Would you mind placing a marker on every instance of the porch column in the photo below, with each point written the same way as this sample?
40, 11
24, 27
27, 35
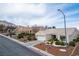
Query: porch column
58, 37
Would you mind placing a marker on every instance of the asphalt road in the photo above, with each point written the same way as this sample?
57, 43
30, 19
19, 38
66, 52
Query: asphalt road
11, 48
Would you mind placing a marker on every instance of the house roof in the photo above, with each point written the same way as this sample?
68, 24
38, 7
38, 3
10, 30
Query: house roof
57, 31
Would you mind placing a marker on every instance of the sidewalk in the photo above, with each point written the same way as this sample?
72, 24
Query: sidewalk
43, 53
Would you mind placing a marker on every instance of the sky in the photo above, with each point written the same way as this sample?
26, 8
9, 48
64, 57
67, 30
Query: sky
40, 14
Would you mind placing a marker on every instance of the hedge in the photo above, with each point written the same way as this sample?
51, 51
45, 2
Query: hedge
60, 43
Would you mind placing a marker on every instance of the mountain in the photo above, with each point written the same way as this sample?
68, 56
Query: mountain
6, 23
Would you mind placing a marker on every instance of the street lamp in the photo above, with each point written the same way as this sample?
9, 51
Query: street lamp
64, 25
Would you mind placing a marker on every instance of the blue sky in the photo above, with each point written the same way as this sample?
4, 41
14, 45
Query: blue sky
40, 14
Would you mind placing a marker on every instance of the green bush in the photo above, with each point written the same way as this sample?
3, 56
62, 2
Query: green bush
76, 40
47, 42
51, 41
72, 43
57, 42
19, 36
60, 43
29, 38
77, 37
55, 39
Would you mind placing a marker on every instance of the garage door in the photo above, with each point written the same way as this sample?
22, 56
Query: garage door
41, 38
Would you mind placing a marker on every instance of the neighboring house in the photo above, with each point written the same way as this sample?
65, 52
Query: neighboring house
23, 29
28, 29
58, 33
36, 28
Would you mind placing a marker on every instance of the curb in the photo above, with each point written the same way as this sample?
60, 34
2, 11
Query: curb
40, 51
43, 53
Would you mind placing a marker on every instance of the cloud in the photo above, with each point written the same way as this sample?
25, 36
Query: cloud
40, 14
21, 13
14, 8
46, 20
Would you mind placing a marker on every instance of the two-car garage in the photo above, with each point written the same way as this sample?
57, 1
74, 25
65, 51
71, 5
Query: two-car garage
41, 38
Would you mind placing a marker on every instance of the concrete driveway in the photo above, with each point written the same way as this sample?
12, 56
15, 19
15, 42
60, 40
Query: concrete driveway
33, 43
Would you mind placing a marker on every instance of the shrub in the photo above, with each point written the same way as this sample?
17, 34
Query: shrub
19, 36
77, 37
60, 43
29, 38
72, 43
55, 39
76, 40
48, 43
57, 42
51, 41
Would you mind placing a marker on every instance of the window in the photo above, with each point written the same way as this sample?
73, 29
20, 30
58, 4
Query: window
62, 38
53, 36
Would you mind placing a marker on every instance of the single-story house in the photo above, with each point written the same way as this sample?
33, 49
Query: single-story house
58, 33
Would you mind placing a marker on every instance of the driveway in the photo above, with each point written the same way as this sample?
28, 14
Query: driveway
33, 43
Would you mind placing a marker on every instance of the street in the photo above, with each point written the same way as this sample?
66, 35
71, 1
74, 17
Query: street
11, 48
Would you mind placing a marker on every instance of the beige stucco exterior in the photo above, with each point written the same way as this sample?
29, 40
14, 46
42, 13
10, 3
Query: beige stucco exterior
46, 34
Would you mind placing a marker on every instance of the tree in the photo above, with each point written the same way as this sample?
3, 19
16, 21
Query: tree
53, 27
10, 30
2, 28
